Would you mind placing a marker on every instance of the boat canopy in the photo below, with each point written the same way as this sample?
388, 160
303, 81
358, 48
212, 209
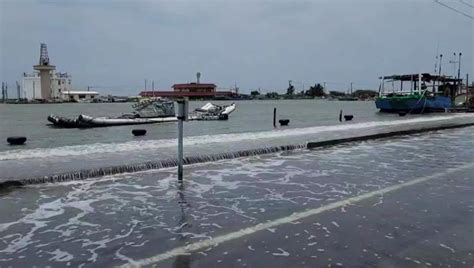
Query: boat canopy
425, 77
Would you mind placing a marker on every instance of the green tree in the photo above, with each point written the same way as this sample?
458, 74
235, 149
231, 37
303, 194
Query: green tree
316, 91
271, 95
254, 93
290, 90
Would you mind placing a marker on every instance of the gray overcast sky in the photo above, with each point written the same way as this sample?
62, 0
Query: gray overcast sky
117, 44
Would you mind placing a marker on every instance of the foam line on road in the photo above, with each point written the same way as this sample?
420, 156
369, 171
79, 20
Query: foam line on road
173, 162
312, 145
201, 245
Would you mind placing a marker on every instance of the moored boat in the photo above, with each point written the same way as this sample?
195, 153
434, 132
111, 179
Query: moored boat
427, 93
147, 111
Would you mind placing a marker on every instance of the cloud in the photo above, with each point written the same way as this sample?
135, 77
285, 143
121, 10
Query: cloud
117, 44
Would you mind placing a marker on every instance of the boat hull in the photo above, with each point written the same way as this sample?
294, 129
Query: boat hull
413, 105
85, 121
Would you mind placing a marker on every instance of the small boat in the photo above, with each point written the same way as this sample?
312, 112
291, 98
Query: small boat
147, 111
347, 98
428, 93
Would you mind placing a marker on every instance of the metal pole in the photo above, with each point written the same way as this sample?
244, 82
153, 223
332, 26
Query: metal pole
454, 65
180, 150
467, 90
18, 91
419, 83
182, 116
3, 92
439, 73
459, 73
274, 116
383, 84
440, 61
153, 88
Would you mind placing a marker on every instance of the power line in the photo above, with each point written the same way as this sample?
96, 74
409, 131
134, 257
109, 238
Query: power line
453, 9
467, 4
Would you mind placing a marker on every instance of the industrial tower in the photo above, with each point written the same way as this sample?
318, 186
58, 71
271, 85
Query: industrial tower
44, 72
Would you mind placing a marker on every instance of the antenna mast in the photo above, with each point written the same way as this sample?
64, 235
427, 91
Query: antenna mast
44, 58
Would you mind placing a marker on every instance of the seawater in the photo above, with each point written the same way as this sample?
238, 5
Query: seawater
250, 116
95, 149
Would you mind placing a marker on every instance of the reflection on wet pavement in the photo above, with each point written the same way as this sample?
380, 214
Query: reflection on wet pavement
121, 219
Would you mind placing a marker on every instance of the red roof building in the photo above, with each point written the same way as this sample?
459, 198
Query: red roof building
191, 90
194, 87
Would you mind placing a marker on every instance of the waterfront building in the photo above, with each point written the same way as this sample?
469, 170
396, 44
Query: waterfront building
193, 90
33, 88
47, 85
79, 96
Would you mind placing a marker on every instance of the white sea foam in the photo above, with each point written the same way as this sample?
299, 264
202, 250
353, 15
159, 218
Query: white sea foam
133, 146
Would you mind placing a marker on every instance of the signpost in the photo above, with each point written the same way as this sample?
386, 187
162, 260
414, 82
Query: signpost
182, 116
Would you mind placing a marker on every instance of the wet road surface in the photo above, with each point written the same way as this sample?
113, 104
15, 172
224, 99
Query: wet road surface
425, 217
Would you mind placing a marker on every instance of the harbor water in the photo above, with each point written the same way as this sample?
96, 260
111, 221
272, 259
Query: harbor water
250, 116
398, 202
52, 151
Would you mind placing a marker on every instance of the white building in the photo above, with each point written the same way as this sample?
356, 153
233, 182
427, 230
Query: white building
45, 84
60, 82
80, 96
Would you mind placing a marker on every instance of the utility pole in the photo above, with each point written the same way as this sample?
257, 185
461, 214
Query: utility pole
456, 81
145, 84
467, 90
153, 88
18, 91
6, 91
453, 62
459, 73
3, 92
439, 74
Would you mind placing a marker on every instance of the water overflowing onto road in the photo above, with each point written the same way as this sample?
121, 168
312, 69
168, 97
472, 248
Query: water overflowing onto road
127, 218
132, 155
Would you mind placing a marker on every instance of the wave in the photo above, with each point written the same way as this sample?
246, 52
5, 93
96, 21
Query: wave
134, 146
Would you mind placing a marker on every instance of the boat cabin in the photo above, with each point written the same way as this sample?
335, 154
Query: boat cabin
416, 84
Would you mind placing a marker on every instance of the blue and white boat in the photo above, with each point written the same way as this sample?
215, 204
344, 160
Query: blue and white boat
427, 93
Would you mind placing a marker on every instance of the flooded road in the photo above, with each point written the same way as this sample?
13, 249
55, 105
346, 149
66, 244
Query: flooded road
401, 202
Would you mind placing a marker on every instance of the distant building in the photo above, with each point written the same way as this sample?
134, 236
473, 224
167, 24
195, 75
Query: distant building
79, 96
47, 85
191, 90
33, 90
